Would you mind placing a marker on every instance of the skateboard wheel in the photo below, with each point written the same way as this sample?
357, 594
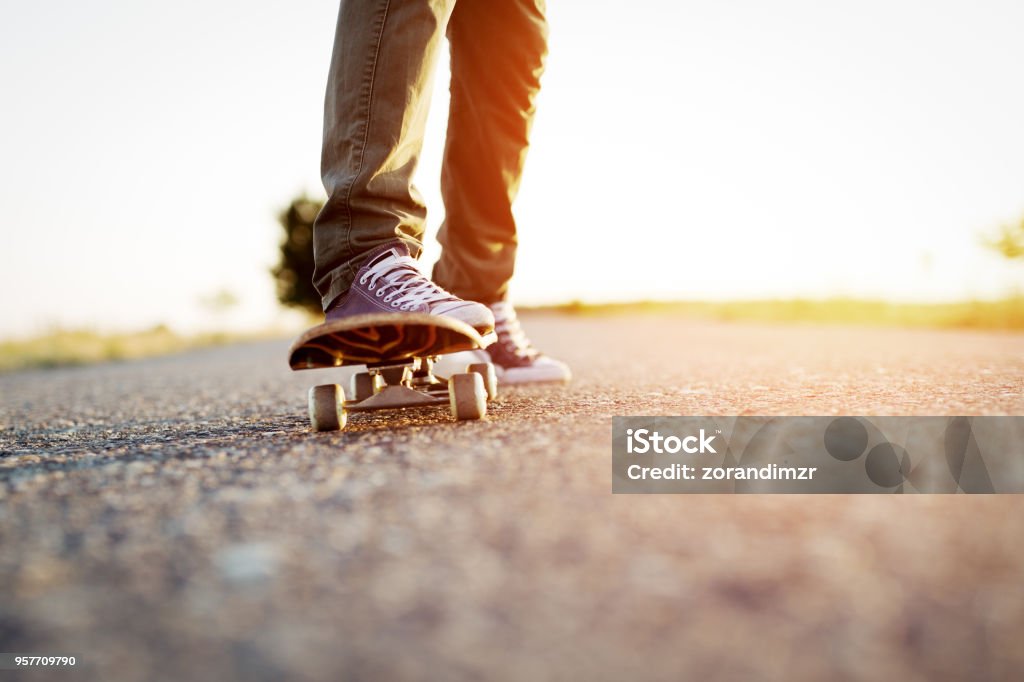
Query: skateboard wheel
467, 395
490, 377
327, 408
363, 386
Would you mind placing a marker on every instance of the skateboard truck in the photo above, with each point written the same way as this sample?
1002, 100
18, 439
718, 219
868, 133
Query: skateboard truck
410, 383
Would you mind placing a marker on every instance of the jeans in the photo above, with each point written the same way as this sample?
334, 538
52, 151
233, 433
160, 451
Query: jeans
378, 95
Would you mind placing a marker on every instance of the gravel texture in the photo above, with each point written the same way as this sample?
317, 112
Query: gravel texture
175, 519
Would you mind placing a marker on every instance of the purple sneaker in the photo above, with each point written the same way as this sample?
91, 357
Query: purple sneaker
390, 282
515, 359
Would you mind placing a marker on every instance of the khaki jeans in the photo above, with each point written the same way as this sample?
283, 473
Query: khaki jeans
378, 94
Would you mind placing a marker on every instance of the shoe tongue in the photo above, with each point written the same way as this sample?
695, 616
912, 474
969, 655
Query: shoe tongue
503, 311
388, 252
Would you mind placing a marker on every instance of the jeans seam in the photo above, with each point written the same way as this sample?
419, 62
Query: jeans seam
367, 107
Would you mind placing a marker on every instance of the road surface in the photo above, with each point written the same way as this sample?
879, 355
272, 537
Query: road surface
174, 518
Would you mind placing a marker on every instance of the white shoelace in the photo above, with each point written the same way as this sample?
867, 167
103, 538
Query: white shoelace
401, 284
506, 324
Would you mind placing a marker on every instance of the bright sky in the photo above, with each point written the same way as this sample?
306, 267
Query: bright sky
697, 150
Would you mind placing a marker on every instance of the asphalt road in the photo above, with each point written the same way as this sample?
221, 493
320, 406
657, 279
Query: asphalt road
174, 519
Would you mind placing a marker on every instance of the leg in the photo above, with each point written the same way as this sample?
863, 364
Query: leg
498, 50
497, 56
378, 94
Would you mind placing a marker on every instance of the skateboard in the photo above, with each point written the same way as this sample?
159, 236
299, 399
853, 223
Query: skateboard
398, 350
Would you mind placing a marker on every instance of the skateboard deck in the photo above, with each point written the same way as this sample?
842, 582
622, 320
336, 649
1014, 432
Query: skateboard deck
381, 338
398, 350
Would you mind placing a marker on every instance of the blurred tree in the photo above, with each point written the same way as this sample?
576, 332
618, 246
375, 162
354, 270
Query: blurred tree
1009, 240
294, 271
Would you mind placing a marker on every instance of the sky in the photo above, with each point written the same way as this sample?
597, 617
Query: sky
682, 150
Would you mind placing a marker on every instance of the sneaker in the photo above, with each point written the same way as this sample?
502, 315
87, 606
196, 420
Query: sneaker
390, 282
515, 359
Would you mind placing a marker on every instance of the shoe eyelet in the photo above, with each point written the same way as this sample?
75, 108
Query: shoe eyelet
362, 280
394, 304
380, 292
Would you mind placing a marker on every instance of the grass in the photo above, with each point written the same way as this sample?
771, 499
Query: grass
1003, 314
75, 347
